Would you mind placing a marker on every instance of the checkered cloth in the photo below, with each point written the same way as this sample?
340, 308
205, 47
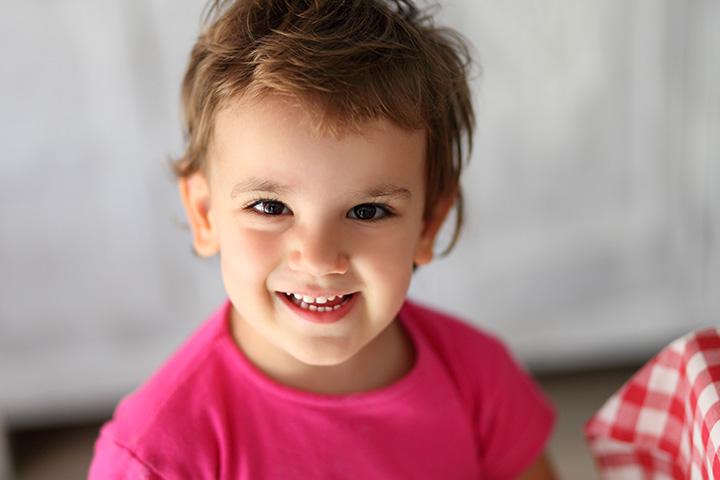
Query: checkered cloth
664, 423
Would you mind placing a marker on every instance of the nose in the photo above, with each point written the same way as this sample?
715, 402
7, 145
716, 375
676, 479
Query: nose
317, 251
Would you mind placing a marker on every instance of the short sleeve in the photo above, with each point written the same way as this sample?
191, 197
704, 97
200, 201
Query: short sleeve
112, 461
514, 418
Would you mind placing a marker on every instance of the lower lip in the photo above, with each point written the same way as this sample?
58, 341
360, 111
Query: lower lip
320, 317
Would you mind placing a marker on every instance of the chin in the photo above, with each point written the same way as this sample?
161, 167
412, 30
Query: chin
323, 357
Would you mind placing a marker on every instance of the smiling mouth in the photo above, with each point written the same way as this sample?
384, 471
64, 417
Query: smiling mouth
319, 304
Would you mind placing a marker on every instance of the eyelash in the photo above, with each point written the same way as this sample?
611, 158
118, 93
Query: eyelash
386, 209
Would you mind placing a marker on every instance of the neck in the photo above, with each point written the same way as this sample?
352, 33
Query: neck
383, 361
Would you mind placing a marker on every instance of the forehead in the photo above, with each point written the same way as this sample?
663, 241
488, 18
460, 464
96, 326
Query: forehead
273, 136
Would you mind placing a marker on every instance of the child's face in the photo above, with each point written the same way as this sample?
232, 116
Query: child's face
284, 207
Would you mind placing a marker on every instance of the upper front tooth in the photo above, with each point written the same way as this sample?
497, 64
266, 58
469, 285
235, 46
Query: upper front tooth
308, 299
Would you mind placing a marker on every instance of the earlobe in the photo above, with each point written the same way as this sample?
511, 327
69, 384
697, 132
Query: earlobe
195, 195
424, 253
424, 250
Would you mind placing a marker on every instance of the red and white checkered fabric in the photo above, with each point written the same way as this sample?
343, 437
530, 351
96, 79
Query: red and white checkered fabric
664, 423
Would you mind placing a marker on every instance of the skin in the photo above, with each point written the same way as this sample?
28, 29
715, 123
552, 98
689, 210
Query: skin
310, 239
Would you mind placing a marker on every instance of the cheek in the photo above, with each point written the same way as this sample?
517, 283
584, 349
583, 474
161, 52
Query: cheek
395, 248
394, 243
388, 257
248, 256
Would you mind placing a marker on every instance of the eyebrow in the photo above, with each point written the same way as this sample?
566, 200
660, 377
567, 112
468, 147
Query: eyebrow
386, 190
255, 184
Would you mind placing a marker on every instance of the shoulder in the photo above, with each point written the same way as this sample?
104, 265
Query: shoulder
511, 416
172, 413
452, 336
479, 359
476, 361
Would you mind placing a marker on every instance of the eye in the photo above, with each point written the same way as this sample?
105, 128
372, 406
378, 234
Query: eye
370, 212
268, 207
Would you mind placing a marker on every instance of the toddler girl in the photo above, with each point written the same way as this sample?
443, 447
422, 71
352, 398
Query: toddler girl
325, 144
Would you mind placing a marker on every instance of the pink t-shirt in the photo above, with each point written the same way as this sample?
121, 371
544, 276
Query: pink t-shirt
466, 410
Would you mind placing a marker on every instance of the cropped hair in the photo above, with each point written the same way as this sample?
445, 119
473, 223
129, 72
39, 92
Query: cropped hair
348, 62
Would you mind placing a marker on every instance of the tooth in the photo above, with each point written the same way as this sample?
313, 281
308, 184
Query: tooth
321, 300
307, 299
298, 297
313, 308
336, 307
303, 305
330, 299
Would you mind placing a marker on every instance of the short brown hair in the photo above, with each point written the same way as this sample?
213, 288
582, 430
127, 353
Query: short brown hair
349, 61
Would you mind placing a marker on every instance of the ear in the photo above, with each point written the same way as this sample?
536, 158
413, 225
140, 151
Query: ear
424, 250
195, 195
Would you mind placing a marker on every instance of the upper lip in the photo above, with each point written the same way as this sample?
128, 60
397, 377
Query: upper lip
317, 294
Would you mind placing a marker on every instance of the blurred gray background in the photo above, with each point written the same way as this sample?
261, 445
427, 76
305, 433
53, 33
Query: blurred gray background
593, 194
